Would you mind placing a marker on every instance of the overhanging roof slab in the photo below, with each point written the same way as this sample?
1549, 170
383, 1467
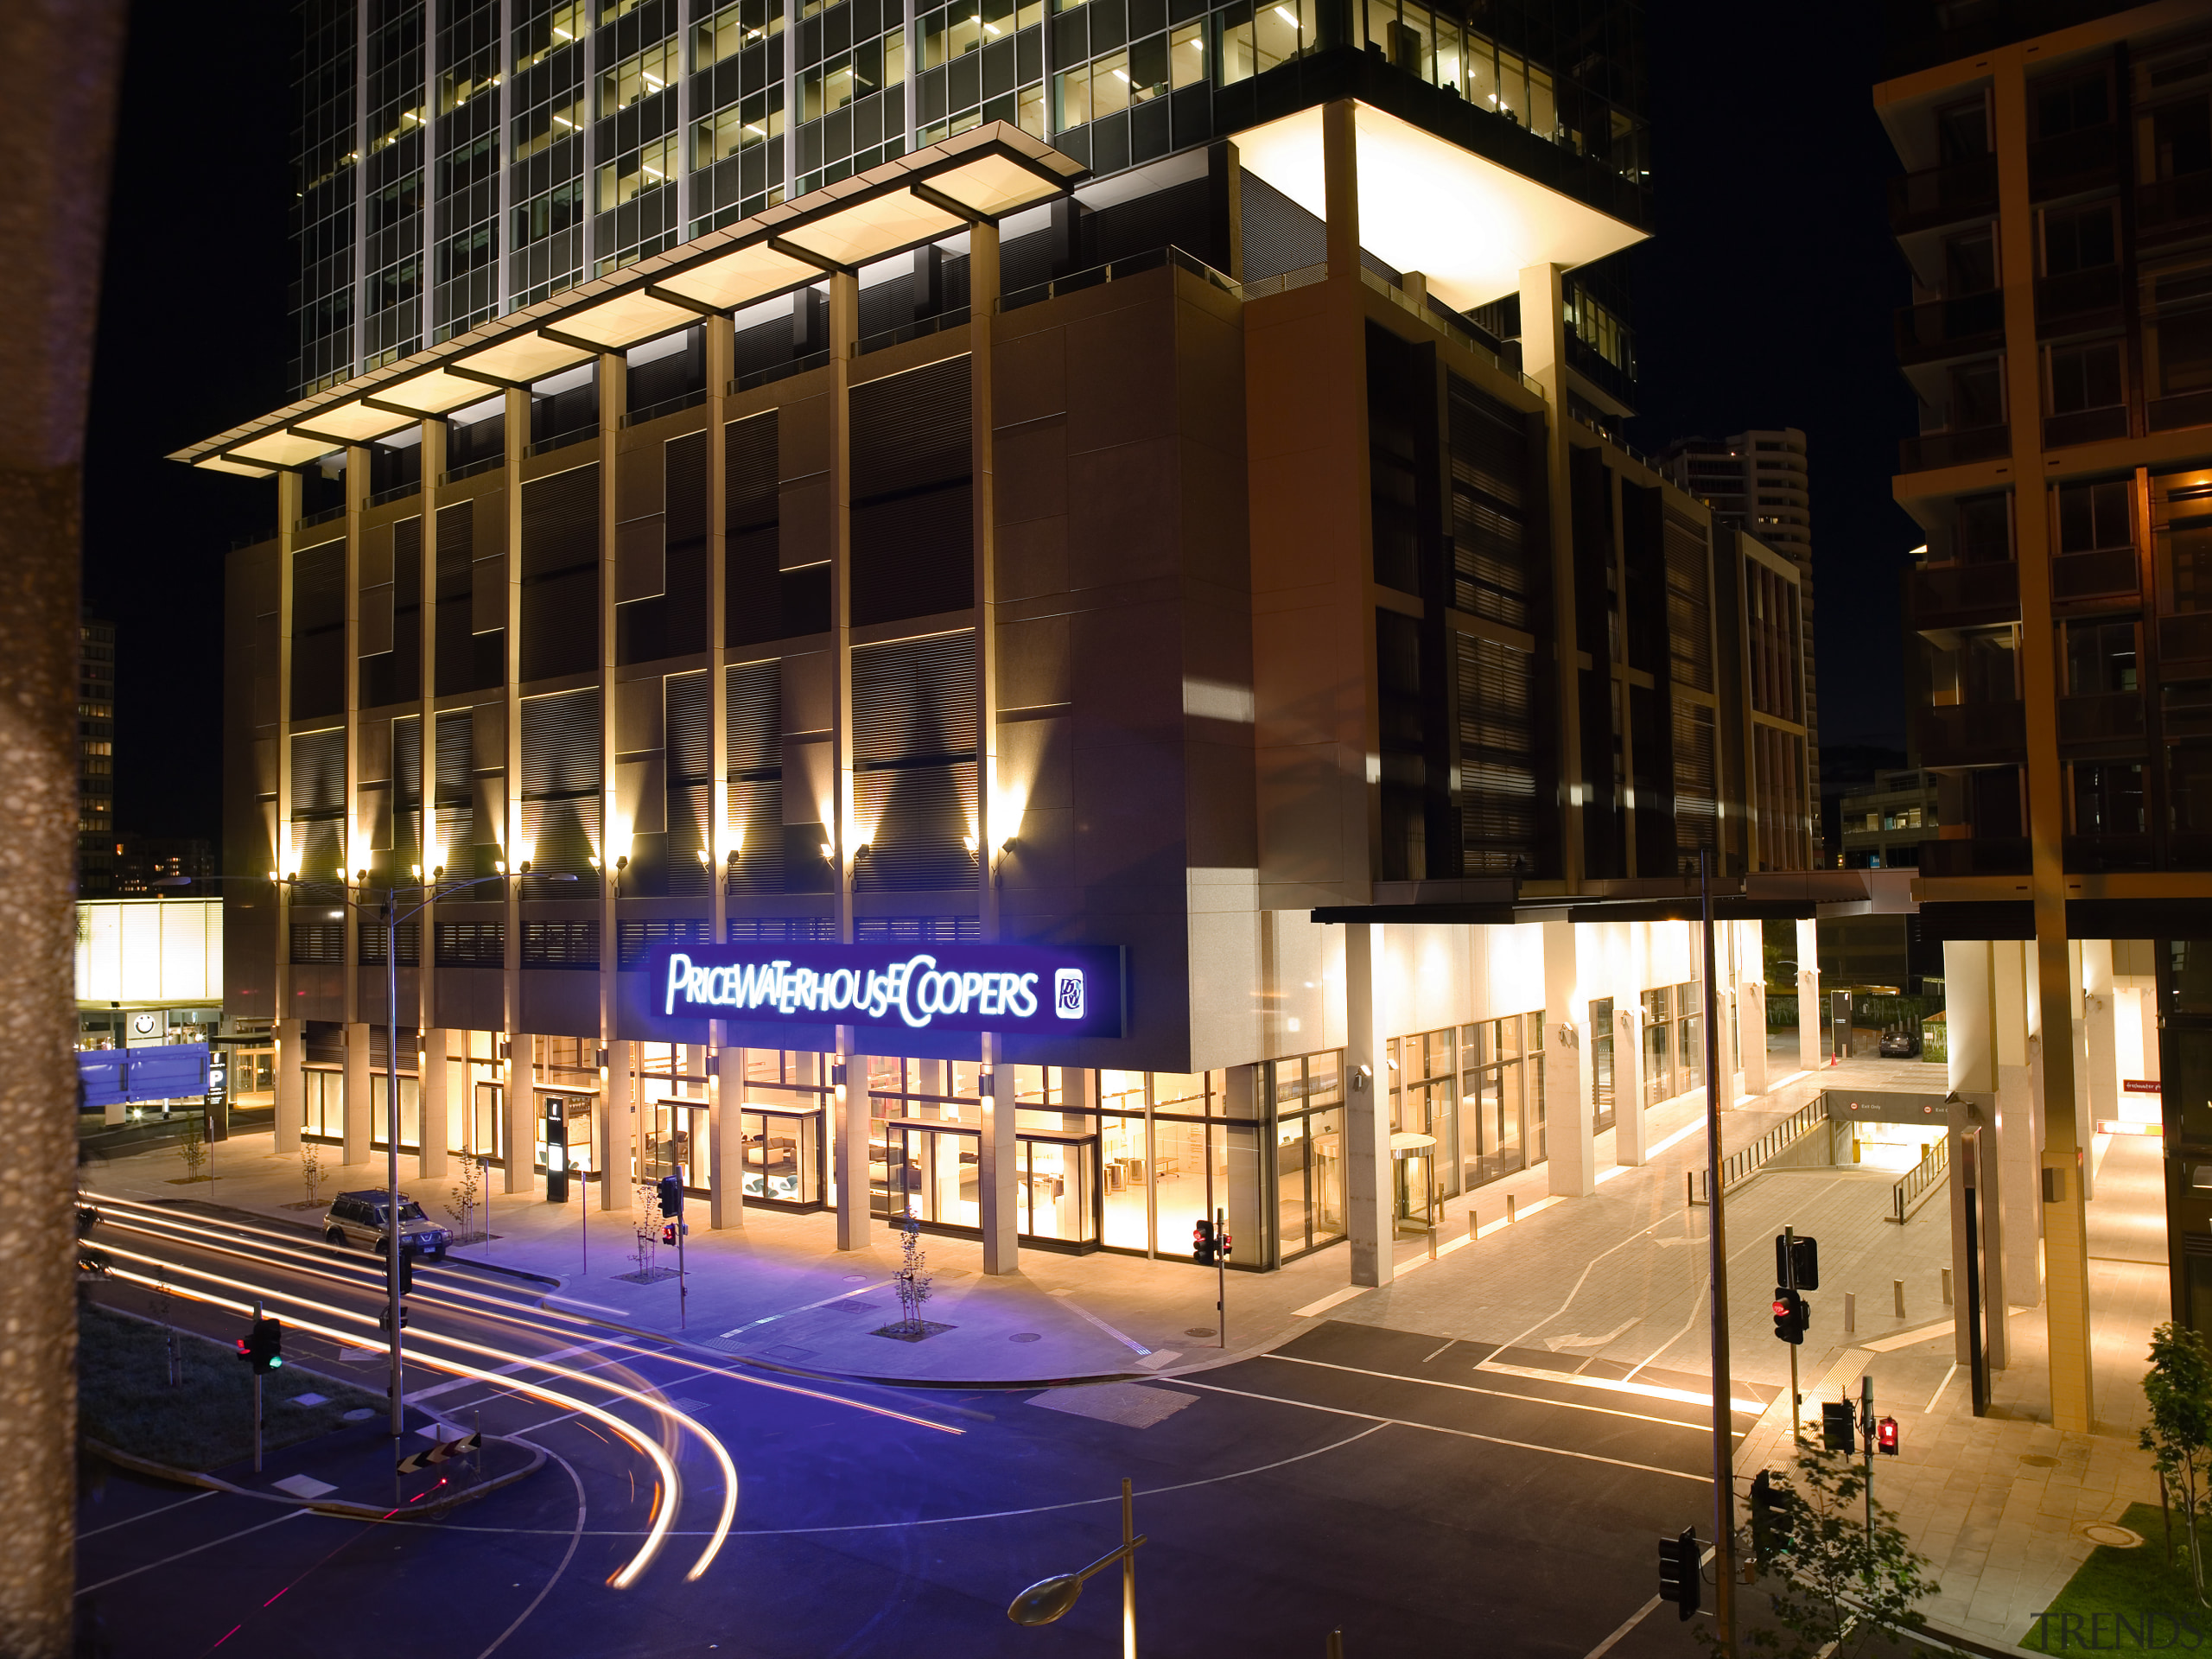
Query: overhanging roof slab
740, 277
873, 229
433, 392
282, 448
523, 358
623, 321
352, 423
1467, 223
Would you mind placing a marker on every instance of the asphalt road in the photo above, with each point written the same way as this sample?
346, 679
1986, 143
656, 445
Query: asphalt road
1360, 1478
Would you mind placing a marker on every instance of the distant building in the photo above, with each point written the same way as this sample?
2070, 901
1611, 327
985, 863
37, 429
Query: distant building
1882, 827
1758, 482
96, 848
141, 861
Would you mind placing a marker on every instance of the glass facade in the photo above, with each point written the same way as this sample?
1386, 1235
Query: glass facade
1478, 1091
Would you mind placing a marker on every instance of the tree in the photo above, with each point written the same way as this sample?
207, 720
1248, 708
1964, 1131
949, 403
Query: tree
2179, 1389
461, 1202
645, 1217
914, 1274
192, 1146
311, 1169
1845, 1573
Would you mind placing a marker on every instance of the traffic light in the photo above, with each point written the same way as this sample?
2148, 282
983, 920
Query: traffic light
406, 1270
263, 1346
1797, 1260
1886, 1437
1221, 1237
1771, 1518
1679, 1579
1203, 1242
1836, 1429
87, 1218
1791, 1315
672, 1195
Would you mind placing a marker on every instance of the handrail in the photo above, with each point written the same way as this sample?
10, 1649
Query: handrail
1935, 1163
1739, 1167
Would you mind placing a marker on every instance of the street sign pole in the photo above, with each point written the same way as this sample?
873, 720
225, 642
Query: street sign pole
1221, 1287
1724, 1439
256, 1395
1789, 1282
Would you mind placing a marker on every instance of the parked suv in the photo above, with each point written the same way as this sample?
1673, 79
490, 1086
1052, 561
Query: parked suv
357, 1218
1900, 1043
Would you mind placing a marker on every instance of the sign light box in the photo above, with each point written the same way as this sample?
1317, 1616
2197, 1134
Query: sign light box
1032, 990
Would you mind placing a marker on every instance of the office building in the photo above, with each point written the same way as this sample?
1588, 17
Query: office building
2057, 213
96, 848
1883, 826
1127, 546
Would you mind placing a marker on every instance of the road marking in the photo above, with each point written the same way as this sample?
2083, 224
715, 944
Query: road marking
1331, 1300
1501, 1394
1381, 1422
1127, 1342
1898, 1339
1649, 1390
150, 1513
1634, 1619
787, 1313
1439, 1351
1940, 1386
290, 1515
575, 1537
449, 1386
596, 1307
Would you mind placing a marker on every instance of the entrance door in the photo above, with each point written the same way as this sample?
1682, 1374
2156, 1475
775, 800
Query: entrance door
1601, 1064
932, 1172
1415, 1167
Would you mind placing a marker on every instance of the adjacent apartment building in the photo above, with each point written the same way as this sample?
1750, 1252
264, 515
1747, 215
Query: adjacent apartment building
1035, 492
2057, 213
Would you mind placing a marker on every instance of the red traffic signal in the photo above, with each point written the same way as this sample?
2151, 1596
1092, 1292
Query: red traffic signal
1886, 1437
1791, 1315
1221, 1236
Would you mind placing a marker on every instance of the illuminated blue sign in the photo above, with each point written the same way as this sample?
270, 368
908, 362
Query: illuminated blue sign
1036, 990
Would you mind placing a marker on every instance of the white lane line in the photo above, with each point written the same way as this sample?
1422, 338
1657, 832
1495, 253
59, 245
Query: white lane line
1501, 1394
1380, 1420
1940, 1386
148, 1514
449, 1386
771, 1319
1331, 1300
1439, 1351
290, 1515
1634, 1619
575, 1538
1649, 1390
1129, 1342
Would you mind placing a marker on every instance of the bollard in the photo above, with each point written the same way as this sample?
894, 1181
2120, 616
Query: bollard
1898, 1285
1509, 1209
1947, 1288
1849, 1311
1474, 1222
1336, 1644
1689, 1188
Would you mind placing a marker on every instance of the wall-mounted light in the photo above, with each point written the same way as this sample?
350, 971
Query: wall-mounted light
829, 854
1362, 1076
592, 859
971, 843
417, 871
438, 872
621, 862
501, 865
705, 864
525, 866
860, 851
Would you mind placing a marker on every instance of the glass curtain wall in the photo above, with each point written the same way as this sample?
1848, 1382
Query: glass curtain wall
1673, 1041
786, 1101
1601, 1064
1309, 1142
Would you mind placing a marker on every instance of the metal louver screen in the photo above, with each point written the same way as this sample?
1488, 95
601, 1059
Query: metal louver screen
686, 529
1497, 756
690, 751
1696, 781
560, 945
635, 941
455, 622
914, 711
755, 589
319, 944
913, 534
407, 782
452, 797
1689, 603
318, 772
1490, 460
560, 784
755, 711
318, 631
560, 573
472, 944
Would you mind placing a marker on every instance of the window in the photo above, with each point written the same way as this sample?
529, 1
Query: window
1962, 130
2177, 343
548, 123
2100, 658
2086, 377
634, 79
2094, 517
2106, 798
1970, 263
2080, 239
639, 171
1977, 396
734, 27
742, 126
540, 38
2070, 107
1984, 534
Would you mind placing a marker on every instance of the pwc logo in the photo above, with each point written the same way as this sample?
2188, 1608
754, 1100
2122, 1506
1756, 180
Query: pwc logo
1067, 993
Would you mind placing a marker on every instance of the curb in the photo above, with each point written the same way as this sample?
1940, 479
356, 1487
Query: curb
320, 1505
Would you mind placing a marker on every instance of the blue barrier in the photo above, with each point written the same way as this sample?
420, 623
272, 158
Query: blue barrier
119, 1077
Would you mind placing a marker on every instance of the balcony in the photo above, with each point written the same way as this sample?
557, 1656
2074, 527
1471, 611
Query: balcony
2093, 854
1984, 855
2185, 646
2114, 716
2171, 414
2108, 573
1964, 595
1933, 450
2073, 162
2173, 210
2078, 302
1954, 328
1943, 195
1972, 734
2084, 426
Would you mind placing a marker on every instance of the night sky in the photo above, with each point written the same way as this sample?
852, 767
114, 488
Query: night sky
1764, 300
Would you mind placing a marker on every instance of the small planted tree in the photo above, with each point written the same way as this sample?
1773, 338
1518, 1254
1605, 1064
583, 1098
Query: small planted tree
645, 1218
912, 1277
192, 1147
464, 1196
2179, 1389
311, 1170
1842, 1577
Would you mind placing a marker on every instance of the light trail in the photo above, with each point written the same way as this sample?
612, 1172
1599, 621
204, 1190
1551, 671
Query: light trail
662, 1515
284, 1244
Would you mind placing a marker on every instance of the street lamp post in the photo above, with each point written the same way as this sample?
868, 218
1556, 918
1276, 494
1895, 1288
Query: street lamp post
436, 889
1045, 1600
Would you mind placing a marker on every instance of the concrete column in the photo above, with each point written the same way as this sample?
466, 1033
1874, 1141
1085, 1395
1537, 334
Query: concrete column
1751, 1034
616, 1155
353, 1140
518, 1105
1810, 1025
1570, 1150
849, 1099
2100, 1035
1368, 1213
1629, 1137
291, 1082
1970, 1009
1340, 187
2015, 1172
433, 1090
999, 1163
725, 1142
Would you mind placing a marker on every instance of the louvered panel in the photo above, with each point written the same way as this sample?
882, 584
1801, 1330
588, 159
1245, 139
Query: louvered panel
318, 631
756, 821
685, 459
914, 700
455, 550
914, 554
453, 797
689, 736
911, 430
1490, 445
1689, 602
688, 806
318, 771
1496, 570
560, 573
749, 483
561, 836
407, 759
1497, 755
754, 709
560, 745
407, 564
407, 841
455, 621
1696, 780
916, 818
316, 846
685, 584
559, 522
